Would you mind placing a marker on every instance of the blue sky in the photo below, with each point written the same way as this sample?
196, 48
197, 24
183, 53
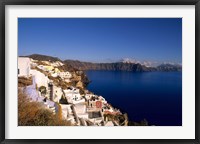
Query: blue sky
102, 39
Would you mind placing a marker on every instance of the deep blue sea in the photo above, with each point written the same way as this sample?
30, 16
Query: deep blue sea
155, 96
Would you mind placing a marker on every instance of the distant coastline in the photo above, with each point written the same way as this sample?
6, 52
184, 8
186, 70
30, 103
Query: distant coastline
122, 66
116, 66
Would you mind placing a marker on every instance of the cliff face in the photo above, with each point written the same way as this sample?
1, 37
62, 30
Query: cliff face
119, 66
169, 67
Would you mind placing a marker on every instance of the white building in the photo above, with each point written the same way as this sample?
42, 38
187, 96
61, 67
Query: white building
102, 99
109, 123
67, 113
64, 109
73, 96
65, 75
67, 80
81, 110
57, 64
57, 93
72, 89
40, 78
54, 75
89, 96
41, 67
24, 66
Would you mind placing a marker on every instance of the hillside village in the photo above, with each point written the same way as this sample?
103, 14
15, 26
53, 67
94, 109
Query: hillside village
47, 82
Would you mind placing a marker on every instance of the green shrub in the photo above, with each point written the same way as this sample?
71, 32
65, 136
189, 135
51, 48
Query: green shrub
43, 90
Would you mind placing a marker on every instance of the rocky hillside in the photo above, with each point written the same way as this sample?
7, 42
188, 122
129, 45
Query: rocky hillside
40, 57
121, 66
44, 58
118, 66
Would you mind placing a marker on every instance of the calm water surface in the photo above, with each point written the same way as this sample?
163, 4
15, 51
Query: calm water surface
155, 96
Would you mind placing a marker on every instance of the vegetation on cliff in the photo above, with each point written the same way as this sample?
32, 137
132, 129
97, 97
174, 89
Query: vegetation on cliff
35, 114
24, 81
143, 122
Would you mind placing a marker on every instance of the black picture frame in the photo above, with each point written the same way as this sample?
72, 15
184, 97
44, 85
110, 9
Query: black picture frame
3, 3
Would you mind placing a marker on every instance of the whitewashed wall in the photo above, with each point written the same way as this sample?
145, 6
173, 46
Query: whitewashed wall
24, 66
57, 93
40, 78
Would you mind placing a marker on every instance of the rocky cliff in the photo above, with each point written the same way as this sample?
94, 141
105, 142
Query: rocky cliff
120, 66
